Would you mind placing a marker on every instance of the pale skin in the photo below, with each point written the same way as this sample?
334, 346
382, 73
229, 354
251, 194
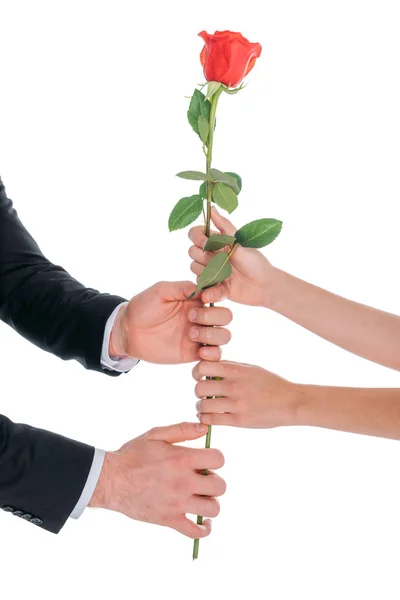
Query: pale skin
155, 327
253, 397
150, 478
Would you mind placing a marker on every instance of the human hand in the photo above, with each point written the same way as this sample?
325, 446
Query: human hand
160, 326
252, 273
245, 396
151, 480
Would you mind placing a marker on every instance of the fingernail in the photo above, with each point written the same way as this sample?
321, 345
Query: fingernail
201, 427
192, 315
198, 406
206, 352
194, 333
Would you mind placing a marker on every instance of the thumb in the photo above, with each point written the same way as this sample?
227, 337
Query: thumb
223, 224
168, 291
181, 432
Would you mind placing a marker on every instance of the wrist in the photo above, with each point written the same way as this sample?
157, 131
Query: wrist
275, 290
118, 344
304, 405
102, 494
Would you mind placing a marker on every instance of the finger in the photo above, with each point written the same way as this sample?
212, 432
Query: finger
218, 293
198, 237
180, 432
223, 224
215, 406
210, 353
196, 268
211, 315
210, 387
198, 505
214, 336
198, 255
206, 458
206, 369
220, 419
167, 291
209, 485
192, 530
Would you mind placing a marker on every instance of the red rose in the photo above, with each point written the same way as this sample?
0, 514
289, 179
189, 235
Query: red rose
227, 57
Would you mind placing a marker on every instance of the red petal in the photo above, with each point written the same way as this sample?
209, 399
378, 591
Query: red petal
251, 65
203, 56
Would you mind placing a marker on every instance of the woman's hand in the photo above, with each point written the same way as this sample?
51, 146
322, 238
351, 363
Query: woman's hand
252, 273
244, 396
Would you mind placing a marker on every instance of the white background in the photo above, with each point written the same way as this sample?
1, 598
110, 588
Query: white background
92, 130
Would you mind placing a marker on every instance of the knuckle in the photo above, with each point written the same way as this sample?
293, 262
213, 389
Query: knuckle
178, 461
152, 433
205, 316
218, 458
222, 487
229, 315
174, 504
198, 389
233, 368
185, 428
191, 534
179, 487
202, 367
216, 508
217, 354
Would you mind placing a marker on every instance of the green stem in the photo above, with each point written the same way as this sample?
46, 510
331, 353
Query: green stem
214, 101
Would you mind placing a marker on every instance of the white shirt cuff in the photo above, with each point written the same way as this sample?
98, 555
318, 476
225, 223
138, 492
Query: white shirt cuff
122, 365
87, 493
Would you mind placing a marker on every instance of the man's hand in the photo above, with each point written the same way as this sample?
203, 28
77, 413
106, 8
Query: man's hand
161, 326
252, 273
151, 480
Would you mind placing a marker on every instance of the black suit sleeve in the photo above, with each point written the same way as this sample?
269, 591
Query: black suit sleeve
43, 302
42, 474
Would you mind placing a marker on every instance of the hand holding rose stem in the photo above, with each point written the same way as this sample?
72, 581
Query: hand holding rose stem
227, 57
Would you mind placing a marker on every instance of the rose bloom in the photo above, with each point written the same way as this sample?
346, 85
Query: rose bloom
227, 57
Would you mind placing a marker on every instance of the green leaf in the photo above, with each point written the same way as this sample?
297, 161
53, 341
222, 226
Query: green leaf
225, 197
198, 106
218, 269
194, 175
185, 212
258, 233
218, 241
204, 129
238, 180
213, 86
221, 177
203, 190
